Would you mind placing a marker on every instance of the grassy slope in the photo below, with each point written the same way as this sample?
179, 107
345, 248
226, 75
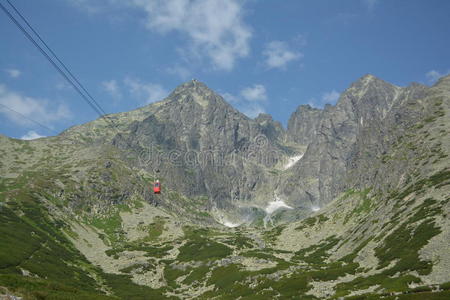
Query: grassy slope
42, 196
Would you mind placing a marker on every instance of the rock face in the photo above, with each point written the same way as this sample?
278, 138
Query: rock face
303, 123
273, 130
336, 136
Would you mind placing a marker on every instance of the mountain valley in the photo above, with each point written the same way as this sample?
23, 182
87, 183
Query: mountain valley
351, 201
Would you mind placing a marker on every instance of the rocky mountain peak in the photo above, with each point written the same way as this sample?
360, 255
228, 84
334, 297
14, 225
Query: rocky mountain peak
269, 127
369, 82
369, 98
370, 79
195, 92
307, 107
193, 84
303, 123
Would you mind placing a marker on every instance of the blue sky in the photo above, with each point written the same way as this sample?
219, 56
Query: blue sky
262, 56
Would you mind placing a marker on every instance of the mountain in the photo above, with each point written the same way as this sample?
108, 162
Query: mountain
350, 201
363, 112
204, 145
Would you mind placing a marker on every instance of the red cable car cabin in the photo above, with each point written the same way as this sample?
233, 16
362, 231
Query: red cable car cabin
157, 187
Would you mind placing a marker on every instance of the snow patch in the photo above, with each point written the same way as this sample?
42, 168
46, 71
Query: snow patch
292, 161
220, 218
315, 208
273, 206
230, 224
31, 135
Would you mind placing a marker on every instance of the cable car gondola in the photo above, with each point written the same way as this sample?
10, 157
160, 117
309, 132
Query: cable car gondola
157, 187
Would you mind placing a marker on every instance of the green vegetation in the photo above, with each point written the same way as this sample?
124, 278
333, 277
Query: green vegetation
350, 257
445, 286
317, 254
437, 180
405, 242
443, 295
266, 254
239, 241
322, 218
111, 225
312, 221
154, 229
263, 254
270, 236
224, 277
364, 206
202, 249
198, 274
151, 251
139, 267
31, 241
308, 222
294, 286
41, 289
232, 282
124, 288
401, 247
172, 273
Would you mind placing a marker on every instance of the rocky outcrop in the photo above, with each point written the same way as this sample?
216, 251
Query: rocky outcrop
303, 124
270, 128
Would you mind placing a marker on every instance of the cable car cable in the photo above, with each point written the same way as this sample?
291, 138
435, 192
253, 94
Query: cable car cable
38, 123
29, 119
57, 58
25, 32
88, 99
94, 104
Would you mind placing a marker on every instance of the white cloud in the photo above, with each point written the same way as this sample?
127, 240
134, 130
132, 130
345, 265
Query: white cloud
255, 93
434, 75
214, 28
149, 92
314, 103
39, 110
278, 54
13, 73
330, 97
370, 4
96, 6
252, 110
112, 88
326, 98
250, 101
230, 98
31, 135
